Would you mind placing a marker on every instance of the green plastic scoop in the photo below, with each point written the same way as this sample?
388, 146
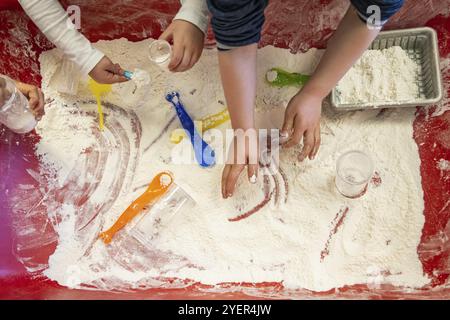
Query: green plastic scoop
281, 78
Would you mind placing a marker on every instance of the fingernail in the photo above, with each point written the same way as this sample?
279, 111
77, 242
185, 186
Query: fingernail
284, 134
253, 179
229, 195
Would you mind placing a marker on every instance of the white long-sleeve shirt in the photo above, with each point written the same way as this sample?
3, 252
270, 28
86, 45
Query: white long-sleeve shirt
195, 12
51, 18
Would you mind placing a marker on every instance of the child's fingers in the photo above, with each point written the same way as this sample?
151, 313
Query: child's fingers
2, 96
177, 56
116, 69
33, 98
225, 174
308, 145
195, 57
296, 137
288, 124
167, 34
107, 77
252, 173
37, 102
232, 178
116, 78
107, 72
317, 141
41, 104
184, 65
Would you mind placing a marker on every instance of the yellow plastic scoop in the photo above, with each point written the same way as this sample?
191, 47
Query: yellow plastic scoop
207, 123
99, 90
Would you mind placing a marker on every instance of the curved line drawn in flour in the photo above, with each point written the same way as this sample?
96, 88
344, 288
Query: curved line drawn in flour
161, 134
267, 197
45, 213
272, 186
124, 164
336, 224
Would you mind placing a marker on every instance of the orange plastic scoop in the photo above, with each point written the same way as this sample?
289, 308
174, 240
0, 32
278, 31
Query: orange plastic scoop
159, 185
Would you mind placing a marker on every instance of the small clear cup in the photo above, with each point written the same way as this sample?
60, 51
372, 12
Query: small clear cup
160, 52
354, 169
15, 112
162, 214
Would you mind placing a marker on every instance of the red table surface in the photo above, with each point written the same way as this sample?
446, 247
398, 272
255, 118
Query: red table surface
294, 24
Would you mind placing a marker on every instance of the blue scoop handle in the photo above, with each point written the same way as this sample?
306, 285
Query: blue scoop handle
204, 154
128, 74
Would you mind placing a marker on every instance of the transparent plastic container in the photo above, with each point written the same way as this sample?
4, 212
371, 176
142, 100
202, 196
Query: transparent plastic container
160, 52
354, 169
176, 201
15, 112
140, 248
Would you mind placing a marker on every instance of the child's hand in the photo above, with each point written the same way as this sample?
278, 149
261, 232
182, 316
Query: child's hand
242, 155
188, 42
107, 72
35, 98
4, 94
302, 120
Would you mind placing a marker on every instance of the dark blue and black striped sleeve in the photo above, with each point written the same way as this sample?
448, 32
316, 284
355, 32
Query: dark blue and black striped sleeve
237, 22
369, 9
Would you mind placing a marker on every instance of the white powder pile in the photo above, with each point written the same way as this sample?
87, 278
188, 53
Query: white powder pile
316, 240
64, 124
135, 92
379, 77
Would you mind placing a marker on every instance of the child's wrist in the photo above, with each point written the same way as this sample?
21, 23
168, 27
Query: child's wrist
317, 91
243, 125
243, 128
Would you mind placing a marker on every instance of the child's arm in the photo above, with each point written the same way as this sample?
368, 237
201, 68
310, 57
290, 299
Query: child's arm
351, 39
237, 27
187, 31
53, 21
238, 71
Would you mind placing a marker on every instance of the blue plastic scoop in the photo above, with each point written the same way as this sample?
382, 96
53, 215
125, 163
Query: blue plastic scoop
204, 154
128, 74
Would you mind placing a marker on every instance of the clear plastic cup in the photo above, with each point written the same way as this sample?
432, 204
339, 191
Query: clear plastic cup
354, 169
160, 52
15, 112
161, 215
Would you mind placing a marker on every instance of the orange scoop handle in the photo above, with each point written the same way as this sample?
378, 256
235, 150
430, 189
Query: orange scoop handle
154, 191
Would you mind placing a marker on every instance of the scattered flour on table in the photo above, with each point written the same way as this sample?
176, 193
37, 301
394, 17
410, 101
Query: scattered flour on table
380, 76
57, 155
443, 165
380, 231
